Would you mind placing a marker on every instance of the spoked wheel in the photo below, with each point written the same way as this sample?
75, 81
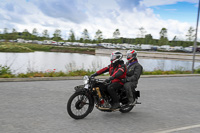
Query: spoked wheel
79, 105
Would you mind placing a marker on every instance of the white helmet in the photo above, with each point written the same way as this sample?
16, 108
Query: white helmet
116, 56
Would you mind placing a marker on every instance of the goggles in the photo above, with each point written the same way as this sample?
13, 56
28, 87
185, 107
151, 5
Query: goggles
129, 55
113, 57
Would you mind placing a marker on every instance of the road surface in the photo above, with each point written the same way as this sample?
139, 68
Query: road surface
169, 105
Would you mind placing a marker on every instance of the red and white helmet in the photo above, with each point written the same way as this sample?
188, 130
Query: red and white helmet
131, 55
116, 56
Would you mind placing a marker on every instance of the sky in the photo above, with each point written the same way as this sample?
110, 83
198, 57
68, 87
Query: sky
106, 15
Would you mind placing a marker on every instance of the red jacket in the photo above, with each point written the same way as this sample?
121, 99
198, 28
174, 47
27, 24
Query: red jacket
118, 72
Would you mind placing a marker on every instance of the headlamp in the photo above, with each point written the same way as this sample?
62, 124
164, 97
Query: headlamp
85, 79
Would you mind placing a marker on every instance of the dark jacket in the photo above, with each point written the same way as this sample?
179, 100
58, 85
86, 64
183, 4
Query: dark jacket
117, 72
134, 70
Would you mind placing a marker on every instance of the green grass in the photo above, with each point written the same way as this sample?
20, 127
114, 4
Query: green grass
27, 47
7, 73
36, 47
160, 72
54, 74
14, 48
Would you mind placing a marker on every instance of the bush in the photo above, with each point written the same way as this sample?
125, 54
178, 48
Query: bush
197, 71
22, 75
5, 72
80, 73
7, 76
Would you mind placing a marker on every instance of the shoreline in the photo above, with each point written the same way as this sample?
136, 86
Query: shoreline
152, 54
70, 51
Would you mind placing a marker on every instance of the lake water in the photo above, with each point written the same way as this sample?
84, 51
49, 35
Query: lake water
45, 61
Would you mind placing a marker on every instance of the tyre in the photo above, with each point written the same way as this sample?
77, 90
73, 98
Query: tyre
79, 105
126, 109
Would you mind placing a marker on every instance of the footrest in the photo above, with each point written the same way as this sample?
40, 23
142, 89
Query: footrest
138, 102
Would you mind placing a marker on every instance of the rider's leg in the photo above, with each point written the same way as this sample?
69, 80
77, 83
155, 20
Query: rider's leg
130, 88
112, 92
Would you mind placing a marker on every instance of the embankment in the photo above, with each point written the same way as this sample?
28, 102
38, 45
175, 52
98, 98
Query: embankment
153, 54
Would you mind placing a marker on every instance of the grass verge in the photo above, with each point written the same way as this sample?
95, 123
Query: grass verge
5, 72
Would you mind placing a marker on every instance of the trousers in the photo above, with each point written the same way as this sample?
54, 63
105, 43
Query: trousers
130, 89
112, 88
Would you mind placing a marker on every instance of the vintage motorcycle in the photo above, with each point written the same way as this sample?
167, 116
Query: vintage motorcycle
91, 94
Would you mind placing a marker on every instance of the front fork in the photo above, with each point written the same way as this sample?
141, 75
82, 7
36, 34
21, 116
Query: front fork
82, 88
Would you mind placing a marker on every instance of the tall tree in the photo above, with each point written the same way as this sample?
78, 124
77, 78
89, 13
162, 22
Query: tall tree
190, 34
142, 32
72, 36
34, 34
163, 33
116, 34
57, 35
163, 37
14, 34
85, 35
99, 36
14, 30
5, 31
148, 39
45, 34
25, 34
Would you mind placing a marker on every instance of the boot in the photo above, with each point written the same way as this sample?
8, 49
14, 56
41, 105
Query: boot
115, 102
115, 105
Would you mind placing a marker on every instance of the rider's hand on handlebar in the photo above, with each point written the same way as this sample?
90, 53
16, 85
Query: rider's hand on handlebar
109, 79
93, 75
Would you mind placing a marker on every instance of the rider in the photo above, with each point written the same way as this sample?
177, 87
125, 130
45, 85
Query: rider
134, 70
117, 71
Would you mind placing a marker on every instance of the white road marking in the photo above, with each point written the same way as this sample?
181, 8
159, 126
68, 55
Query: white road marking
179, 129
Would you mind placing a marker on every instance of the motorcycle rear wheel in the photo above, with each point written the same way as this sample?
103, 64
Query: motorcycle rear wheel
126, 109
79, 105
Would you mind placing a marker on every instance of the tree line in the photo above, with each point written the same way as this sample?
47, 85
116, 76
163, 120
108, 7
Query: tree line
142, 37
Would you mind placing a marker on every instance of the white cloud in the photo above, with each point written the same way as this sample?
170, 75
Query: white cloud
150, 3
91, 15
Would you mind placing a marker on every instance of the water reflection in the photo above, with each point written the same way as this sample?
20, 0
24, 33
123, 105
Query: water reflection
42, 61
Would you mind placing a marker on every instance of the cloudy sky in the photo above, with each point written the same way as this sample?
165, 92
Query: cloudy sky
107, 15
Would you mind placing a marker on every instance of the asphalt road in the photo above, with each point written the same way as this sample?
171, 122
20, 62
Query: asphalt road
169, 104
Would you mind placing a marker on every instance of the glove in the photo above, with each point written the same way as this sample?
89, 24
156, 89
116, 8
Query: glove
109, 79
123, 80
93, 75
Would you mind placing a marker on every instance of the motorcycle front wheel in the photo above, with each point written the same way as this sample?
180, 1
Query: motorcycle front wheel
79, 105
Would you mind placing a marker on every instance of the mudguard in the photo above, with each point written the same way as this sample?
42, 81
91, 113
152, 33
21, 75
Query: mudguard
79, 88
137, 93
